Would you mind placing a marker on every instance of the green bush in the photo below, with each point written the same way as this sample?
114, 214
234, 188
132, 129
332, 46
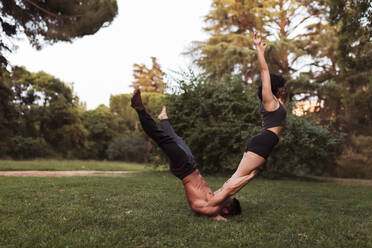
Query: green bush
305, 148
29, 147
130, 149
217, 118
102, 127
356, 159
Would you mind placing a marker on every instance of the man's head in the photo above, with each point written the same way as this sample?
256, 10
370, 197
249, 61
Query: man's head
231, 208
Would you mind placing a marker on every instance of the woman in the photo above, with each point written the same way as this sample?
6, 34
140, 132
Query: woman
273, 120
273, 115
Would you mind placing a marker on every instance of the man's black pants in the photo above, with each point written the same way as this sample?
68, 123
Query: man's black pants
182, 162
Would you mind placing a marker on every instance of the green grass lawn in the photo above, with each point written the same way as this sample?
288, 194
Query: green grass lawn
66, 165
149, 209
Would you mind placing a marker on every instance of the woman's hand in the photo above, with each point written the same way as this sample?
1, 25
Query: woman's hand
257, 40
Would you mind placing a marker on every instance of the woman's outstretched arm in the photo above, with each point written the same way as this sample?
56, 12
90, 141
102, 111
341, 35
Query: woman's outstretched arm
230, 188
268, 99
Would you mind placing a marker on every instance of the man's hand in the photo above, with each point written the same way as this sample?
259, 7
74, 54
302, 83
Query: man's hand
219, 217
257, 40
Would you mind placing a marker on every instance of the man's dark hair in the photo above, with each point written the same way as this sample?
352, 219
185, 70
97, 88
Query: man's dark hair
277, 81
234, 208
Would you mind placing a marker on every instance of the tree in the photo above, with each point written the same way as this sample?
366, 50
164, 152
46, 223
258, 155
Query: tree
355, 35
149, 80
103, 127
47, 22
231, 24
225, 52
354, 80
7, 112
129, 148
354, 75
45, 110
120, 107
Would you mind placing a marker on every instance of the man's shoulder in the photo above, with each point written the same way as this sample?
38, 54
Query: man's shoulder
201, 207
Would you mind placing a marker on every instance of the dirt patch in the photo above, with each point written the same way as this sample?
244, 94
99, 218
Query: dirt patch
348, 181
61, 173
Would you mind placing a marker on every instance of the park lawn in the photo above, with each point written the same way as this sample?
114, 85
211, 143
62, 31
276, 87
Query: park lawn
149, 209
67, 165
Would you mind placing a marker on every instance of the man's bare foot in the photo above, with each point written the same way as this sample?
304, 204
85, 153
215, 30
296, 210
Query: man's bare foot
136, 100
163, 115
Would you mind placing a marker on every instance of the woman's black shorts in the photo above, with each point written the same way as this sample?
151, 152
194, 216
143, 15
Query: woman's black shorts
262, 143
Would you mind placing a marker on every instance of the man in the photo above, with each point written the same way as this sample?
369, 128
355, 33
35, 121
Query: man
182, 164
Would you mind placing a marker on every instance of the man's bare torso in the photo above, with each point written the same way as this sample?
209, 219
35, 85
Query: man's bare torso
197, 191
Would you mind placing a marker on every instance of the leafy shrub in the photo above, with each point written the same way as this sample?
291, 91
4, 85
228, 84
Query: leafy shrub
305, 148
217, 118
130, 149
29, 147
356, 159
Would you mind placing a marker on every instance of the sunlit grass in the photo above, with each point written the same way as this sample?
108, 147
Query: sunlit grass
149, 209
65, 165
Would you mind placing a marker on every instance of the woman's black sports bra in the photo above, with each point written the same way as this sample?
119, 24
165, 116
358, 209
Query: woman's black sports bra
274, 118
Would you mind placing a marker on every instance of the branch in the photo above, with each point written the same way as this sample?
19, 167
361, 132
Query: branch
49, 12
299, 23
307, 34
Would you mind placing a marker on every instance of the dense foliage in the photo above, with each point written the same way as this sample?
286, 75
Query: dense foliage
39, 107
286, 24
41, 117
217, 118
129, 148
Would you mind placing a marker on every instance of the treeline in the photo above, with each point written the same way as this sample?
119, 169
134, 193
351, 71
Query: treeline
323, 49
41, 117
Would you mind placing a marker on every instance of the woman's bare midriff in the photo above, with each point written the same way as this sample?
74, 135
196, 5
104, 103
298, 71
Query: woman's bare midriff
276, 130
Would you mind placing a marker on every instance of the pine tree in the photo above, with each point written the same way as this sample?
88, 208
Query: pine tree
354, 77
149, 80
231, 23
47, 22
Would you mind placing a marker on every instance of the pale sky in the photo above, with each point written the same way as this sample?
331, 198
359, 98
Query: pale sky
101, 65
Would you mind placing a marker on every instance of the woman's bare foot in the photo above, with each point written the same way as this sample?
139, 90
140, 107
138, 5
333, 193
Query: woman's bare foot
136, 100
163, 115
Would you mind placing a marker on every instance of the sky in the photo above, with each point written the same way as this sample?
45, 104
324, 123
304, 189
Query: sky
101, 65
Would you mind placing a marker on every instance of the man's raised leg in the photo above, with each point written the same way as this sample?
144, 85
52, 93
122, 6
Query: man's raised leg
147, 123
168, 129
179, 159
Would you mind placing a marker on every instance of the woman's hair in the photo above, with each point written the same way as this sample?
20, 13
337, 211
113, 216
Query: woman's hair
277, 81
